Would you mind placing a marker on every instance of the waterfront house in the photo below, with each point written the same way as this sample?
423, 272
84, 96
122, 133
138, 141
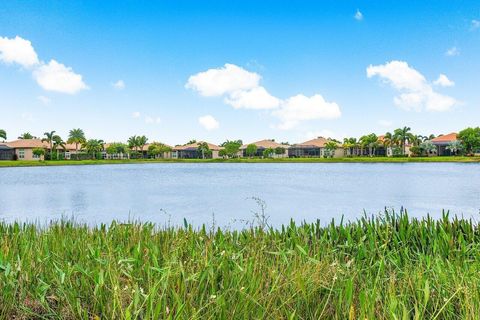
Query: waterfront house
24, 148
314, 148
442, 142
263, 145
190, 151
6, 152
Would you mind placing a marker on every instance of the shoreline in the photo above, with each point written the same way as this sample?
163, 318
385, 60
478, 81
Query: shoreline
20, 163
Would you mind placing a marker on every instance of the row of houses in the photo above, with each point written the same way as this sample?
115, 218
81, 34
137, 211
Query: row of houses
23, 149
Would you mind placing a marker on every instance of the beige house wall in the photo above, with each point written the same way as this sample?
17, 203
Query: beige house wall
26, 154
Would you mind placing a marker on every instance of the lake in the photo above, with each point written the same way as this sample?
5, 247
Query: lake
162, 192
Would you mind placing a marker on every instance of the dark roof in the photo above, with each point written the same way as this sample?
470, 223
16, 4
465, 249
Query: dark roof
5, 147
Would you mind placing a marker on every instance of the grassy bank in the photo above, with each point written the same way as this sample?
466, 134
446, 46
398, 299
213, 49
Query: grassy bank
383, 268
241, 160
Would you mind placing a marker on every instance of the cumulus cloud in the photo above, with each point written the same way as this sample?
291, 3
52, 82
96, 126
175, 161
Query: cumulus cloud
19, 51
208, 122
453, 51
136, 115
358, 15
55, 76
255, 98
119, 85
475, 24
44, 100
224, 80
415, 92
300, 108
52, 76
443, 81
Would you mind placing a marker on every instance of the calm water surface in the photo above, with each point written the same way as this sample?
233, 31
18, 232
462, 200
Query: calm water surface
153, 192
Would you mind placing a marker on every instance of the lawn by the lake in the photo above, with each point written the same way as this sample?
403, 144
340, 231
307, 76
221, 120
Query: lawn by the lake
383, 268
244, 160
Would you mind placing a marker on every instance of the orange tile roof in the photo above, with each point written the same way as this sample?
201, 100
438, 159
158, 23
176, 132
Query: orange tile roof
28, 144
446, 138
318, 142
265, 144
211, 146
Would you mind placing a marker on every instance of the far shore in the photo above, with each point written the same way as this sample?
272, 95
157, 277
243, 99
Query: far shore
20, 163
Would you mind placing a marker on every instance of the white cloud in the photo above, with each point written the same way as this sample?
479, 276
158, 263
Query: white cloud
224, 80
44, 100
385, 123
443, 81
150, 120
136, 115
18, 50
309, 135
358, 15
57, 77
208, 122
119, 85
27, 116
301, 108
453, 51
475, 24
255, 98
415, 92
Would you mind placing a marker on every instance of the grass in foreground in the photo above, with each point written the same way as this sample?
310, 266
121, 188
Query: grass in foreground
243, 160
389, 267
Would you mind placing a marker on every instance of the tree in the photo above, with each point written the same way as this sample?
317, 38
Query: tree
26, 136
117, 148
251, 150
137, 142
38, 152
403, 135
470, 138
428, 147
76, 136
351, 145
141, 142
191, 142
231, 148
58, 143
49, 139
93, 146
455, 147
279, 151
204, 149
3, 134
157, 148
268, 152
369, 141
330, 148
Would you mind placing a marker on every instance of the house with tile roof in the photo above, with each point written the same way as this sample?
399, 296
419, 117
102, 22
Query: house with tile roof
190, 151
442, 142
262, 145
314, 148
24, 148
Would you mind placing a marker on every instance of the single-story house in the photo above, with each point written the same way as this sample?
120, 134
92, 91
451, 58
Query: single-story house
265, 144
442, 142
314, 148
190, 151
381, 150
6, 152
24, 148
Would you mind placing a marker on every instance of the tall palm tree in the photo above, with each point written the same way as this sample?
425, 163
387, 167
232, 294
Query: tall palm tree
3, 134
93, 146
132, 143
25, 136
58, 143
403, 135
203, 149
49, 139
76, 136
141, 142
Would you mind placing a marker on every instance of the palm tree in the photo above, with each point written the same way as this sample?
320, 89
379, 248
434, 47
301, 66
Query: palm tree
3, 134
58, 143
403, 135
203, 149
132, 142
76, 136
49, 139
330, 147
370, 141
93, 146
141, 142
26, 135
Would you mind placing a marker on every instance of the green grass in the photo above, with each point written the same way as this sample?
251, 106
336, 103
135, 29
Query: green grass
241, 160
389, 267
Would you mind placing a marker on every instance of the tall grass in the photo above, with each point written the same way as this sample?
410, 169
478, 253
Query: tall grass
387, 267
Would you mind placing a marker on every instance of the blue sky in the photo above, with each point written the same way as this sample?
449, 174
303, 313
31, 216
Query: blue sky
216, 70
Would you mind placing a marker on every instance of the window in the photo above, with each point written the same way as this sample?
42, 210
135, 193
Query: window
21, 153
36, 156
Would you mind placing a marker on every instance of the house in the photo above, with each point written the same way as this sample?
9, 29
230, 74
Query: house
442, 142
262, 146
24, 148
314, 148
6, 152
190, 151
